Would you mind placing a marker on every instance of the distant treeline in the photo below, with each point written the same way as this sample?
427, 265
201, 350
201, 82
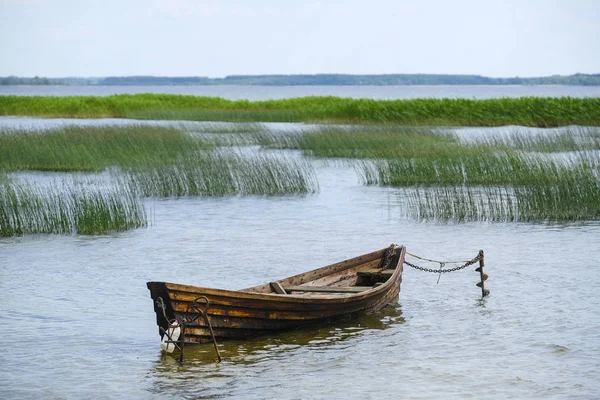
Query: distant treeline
318, 79
16, 80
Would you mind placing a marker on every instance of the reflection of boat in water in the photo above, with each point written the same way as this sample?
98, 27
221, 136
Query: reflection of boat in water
346, 289
284, 344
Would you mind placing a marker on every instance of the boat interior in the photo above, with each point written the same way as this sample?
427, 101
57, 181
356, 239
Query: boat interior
351, 276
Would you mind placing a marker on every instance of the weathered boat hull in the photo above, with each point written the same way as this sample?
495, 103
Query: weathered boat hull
259, 310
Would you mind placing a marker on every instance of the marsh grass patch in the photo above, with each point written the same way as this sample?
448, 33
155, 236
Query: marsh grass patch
62, 208
523, 111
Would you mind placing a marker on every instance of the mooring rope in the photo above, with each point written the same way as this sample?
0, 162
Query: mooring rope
436, 261
443, 263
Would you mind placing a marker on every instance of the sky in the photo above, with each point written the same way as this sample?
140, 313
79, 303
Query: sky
215, 38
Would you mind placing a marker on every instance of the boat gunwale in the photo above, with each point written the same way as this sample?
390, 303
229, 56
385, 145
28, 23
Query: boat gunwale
331, 269
291, 298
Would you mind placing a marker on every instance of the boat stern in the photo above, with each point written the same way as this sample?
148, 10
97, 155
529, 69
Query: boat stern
162, 305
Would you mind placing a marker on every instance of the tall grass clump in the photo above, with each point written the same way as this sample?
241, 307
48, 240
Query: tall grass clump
501, 168
569, 139
539, 190
224, 174
567, 201
460, 204
524, 111
224, 127
92, 148
27, 208
238, 115
381, 142
574, 198
281, 139
549, 176
226, 133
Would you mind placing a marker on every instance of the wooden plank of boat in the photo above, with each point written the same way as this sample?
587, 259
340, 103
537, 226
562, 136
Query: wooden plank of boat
376, 273
341, 290
325, 289
276, 286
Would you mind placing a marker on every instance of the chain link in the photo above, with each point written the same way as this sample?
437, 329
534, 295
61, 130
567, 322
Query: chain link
441, 270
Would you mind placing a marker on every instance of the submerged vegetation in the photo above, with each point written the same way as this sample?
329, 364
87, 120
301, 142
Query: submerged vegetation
525, 111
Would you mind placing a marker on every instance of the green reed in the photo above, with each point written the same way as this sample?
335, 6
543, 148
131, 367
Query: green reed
378, 142
216, 115
574, 138
460, 204
27, 208
90, 148
524, 111
566, 201
225, 128
224, 173
514, 177
502, 168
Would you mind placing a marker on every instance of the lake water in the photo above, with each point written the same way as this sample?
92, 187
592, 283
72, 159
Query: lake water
77, 320
282, 92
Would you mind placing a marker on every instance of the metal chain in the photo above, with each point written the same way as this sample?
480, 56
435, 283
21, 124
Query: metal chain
440, 270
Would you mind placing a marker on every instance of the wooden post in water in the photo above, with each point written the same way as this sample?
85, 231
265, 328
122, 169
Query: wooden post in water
482, 276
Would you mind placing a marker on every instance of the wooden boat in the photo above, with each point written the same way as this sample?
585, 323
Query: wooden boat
343, 290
